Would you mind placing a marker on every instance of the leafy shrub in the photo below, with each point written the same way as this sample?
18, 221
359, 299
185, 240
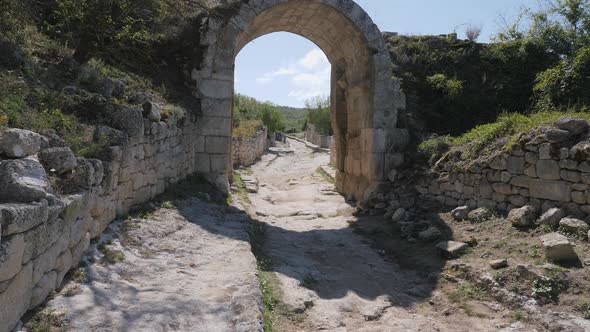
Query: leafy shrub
508, 125
584, 308
546, 288
249, 114
566, 84
247, 129
319, 114
451, 88
272, 119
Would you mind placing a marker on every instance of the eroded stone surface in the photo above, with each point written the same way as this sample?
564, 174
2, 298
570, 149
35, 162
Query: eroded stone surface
558, 248
185, 269
23, 180
19, 143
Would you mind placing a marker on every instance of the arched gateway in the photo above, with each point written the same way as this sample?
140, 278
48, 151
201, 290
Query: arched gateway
365, 98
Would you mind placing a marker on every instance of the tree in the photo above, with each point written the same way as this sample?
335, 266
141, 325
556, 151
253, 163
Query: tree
318, 114
272, 118
473, 32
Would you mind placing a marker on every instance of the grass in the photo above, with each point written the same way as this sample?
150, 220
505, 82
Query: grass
584, 309
111, 256
275, 310
247, 129
71, 291
168, 205
79, 274
241, 192
508, 125
325, 175
48, 320
467, 291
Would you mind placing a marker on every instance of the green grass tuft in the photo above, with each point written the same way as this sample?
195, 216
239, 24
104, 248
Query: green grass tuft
508, 125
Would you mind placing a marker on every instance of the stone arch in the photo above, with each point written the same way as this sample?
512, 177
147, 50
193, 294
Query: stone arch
365, 99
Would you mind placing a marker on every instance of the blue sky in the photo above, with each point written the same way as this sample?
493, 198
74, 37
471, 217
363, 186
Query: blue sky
287, 69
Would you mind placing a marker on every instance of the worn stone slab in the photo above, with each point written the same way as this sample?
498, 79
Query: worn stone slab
18, 218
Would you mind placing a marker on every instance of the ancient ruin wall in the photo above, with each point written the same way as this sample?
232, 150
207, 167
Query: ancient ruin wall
246, 151
312, 136
47, 220
536, 171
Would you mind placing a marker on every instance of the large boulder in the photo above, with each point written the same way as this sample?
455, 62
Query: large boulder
574, 226
23, 180
522, 217
58, 160
480, 215
19, 143
575, 126
430, 234
12, 249
17, 218
88, 173
110, 136
552, 217
128, 120
399, 215
461, 213
451, 248
151, 111
558, 248
557, 135
138, 98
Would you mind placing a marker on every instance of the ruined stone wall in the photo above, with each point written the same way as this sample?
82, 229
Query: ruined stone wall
549, 167
312, 136
245, 151
52, 204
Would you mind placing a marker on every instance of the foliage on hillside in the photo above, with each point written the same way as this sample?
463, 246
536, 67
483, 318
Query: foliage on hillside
318, 114
504, 131
453, 85
61, 61
294, 118
249, 114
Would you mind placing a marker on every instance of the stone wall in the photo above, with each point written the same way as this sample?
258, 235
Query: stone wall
365, 101
548, 167
52, 204
312, 136
245, 151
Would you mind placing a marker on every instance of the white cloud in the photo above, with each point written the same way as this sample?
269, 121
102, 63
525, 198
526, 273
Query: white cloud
314, 59
309, 76
264, 80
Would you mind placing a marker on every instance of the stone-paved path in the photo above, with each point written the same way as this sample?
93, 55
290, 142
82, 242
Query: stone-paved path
185, 269
190, 267
326, 270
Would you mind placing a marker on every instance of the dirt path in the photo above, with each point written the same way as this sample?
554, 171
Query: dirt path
329, 277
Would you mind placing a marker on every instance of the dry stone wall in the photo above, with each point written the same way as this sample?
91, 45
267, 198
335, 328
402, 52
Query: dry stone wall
246, 151
312, 136
546, 168
52, 204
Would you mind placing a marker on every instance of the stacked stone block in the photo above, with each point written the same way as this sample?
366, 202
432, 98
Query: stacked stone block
42, 238
536, 171
246, 151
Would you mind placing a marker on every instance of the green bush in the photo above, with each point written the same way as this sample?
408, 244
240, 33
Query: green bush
566, 84
508, 125
319, 114
451, 88
272, 119
249, 114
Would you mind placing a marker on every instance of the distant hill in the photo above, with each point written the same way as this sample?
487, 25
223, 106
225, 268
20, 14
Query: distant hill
294, 118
